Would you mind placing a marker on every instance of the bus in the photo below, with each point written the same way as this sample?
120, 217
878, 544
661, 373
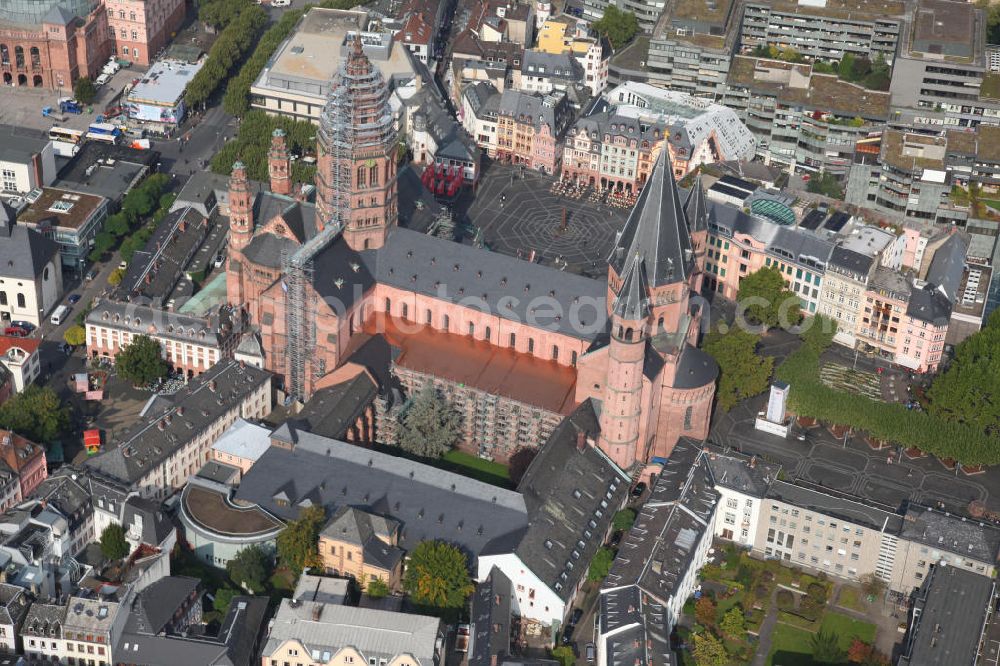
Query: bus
65, 141
103, 132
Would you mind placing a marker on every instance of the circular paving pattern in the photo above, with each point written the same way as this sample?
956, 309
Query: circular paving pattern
521, 214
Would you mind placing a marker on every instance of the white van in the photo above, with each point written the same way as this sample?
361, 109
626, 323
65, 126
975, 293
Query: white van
59, 314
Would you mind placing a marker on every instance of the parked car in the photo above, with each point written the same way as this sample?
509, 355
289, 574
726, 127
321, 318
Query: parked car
74, 298
281, 3
639, 489
567, 636
26, 325
575, 617
92, 274
65, 348
15, 331
591, 653
102, 79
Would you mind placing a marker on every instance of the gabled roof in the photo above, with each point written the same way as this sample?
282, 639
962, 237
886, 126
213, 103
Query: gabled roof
656, 230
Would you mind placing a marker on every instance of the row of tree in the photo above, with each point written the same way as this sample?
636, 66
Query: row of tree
236, 101
946, 430
618, 25
149, 197
250, 146
243, 24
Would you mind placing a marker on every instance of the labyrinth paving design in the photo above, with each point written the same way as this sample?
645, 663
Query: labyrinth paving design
518, 215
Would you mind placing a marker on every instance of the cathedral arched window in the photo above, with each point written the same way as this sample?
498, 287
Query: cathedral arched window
555, 352
388, 306
487, 333
404, 311
361, 176
628, 333
373, 176
531, 345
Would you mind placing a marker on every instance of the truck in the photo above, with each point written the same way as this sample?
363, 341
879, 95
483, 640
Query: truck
69, 105
59, 314
462, 638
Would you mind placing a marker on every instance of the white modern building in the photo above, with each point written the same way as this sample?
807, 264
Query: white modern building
26, 163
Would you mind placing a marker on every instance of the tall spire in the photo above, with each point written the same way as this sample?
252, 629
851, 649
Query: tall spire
696, 207
657, 230
632, 302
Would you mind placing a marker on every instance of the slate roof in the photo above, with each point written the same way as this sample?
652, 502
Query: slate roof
451, 138
551, 65
244, 440
323, 629
371, 532
331, 411
696, 207
953, 607
953, 534
201, 403
530, 108
836, 507
24, 253
948, 264
483, 98
13, 604
632, 301
748, 477
44, 620
930, 305
156, 525
490, 620
572, 491
143, 319
505, 285
851, 263
154, 607
429, 503
695, 369
657, 231
639, 624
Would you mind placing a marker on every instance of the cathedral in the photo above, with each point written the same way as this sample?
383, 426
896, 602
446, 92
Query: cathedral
311, 277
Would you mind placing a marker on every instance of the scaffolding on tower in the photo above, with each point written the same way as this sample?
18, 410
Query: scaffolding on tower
356, 124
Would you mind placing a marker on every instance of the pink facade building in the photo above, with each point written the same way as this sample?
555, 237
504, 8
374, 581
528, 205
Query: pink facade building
528, 130
318, 282
138, 29
25, 459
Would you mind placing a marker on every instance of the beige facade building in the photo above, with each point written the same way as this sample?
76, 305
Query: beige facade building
362, 546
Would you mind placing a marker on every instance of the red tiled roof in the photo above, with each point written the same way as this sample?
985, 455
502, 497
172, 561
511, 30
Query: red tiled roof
8, 342
415, 30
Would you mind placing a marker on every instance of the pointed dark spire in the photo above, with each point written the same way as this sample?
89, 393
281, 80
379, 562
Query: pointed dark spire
657, 230
632, 302
696, 208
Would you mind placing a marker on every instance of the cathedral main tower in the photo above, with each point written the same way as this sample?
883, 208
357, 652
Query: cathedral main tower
356, 154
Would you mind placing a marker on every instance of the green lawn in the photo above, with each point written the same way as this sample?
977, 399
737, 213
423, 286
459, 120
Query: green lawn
992, 203
790, 646
853, 598
848, 628
477, 468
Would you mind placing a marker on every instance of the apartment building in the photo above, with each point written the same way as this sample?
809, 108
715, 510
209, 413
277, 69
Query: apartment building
21, 357
804, 122
26, 163
824, 30
986, 170
191, 345
241, 445
656, 569
607, 150
82, 631
140, 29
544, 73
844, 287
938, 75
172, 439
362, 546
561, 35
480, 105
698, 131
690, 48
314, 633
71, 219
529, 127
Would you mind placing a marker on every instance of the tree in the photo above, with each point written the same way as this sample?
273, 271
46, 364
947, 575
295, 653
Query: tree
75, 335
564, 655
116, 277
223, 597
519, 462
118, 224
865, 654
600, 565
141, 361
826, 648
84, 90
113, 543
297, 544
249, 568
103, 242
617, 25
704, 611
817, 333
766, 301
431, 426
624, 519
709, 650
36, 413
376, 589
872, 585
733, 623
138, 203
437, 576
742, 373
967, 392
825, 184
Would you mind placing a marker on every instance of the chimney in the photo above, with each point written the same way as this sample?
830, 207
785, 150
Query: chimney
753, 462
211, 386
317, 609
581, 440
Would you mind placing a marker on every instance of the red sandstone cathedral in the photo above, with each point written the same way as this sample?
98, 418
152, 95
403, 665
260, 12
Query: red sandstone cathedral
311, 277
